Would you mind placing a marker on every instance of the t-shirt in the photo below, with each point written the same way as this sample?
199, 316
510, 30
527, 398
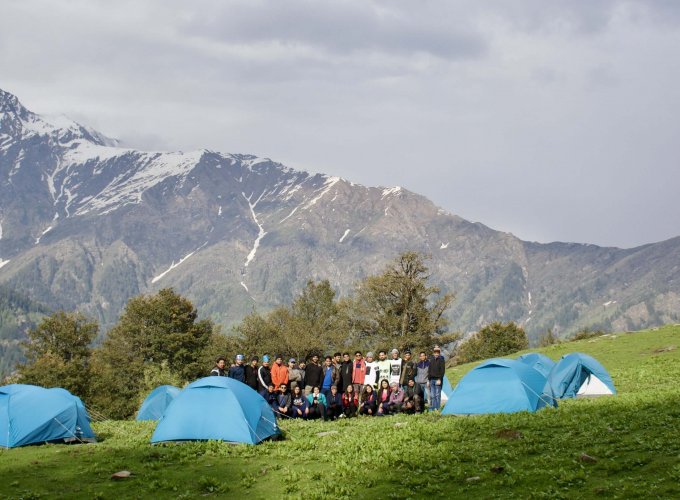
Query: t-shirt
384, 367
371, 377
395, 370
327, 378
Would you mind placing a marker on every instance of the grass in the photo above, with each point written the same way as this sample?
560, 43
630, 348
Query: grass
631, 442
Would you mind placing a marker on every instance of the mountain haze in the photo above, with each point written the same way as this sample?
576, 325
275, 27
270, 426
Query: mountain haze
86, 224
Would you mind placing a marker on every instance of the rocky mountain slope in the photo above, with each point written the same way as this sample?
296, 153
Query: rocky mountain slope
86, 224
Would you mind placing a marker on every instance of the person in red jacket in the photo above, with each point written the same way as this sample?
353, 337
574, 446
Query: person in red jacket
350, 402
358, 372
279, 372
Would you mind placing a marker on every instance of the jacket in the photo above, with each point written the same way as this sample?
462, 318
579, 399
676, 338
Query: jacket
279, 374
295, 375
335, 374
237, 372
346, 401
218, 372
299, 403
334, 400
369, 400
264, 377
358, 371
397, 397
321, 399
251, 376
411, 392
345, 376
408, 371
437, 368
283, 400
313, 375
270, 398
422, 372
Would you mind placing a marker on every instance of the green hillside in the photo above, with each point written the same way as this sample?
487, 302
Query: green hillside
623, 446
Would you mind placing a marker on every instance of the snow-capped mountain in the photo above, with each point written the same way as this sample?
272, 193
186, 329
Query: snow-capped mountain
86, 224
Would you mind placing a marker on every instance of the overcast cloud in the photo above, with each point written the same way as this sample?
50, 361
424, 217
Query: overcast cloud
550, 120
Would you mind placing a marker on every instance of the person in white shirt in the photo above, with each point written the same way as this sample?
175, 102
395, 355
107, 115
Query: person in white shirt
395, 367
383, 366
371, 377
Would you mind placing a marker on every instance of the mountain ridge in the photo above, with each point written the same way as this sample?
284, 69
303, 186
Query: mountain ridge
86, 224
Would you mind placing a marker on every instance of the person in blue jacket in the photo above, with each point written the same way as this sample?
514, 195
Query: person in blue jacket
237, 371
317, 405
299, 407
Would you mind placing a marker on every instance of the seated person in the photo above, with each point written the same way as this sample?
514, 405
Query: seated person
334, 403
283, 401
383, 398
413, 398
368, 401
317, 404
299, 407
350, 402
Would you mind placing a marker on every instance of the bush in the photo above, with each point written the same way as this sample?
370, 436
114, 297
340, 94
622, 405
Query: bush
496, 339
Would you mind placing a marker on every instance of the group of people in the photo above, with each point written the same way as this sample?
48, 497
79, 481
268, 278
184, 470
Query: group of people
342, 387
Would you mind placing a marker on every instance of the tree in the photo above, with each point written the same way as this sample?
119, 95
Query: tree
494, 340
58, 353
160, 329
398, 308
548, 339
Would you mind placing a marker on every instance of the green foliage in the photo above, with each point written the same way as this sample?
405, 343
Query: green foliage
58, 353
521, 455
548, 339
587, 333
312, 324
496, 339
398, 308
154, 330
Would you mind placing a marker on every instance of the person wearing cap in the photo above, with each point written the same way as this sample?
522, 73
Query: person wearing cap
395, 367
436, 375
294, 374
218, 370
358, 372
264, 376
383, 366
279, 372
237, 371
371, 376
408, 369
396, 399
251, 373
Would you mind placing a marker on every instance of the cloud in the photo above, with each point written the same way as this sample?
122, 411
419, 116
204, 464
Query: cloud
555, 105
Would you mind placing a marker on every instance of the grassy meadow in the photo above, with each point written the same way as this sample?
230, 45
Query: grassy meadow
625, 446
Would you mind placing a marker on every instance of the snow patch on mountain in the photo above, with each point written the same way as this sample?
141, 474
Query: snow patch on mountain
261, 232
388, 191
174, 265
37, 240
344, 236
327, 185
444, 246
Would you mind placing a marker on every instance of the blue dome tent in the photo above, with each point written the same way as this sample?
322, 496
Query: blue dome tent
538, 361
218, 408
580, 375
156, 402
30, 414
499, 386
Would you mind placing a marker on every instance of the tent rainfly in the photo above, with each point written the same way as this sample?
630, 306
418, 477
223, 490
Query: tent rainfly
538, 361
30, 414
156, 402
217, 408
580, 375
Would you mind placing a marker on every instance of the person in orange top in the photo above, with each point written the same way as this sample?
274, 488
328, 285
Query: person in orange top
279, 372
358, 372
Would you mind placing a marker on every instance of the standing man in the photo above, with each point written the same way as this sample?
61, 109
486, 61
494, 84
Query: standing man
279, 372
383, 367
251, 373
218, 371
395, 367
408, 370
337, 360
238, 372
330, 377
372, 369
294, 375
358, 372
345, 373
264, 376
423, 374
436, 375
313, 375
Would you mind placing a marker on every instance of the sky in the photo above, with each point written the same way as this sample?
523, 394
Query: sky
555, 121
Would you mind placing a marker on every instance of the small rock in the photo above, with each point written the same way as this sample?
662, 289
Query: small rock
587, 458
327, 433
497, 469
400, 424
123, 474
666, 349
509, 434
473, 479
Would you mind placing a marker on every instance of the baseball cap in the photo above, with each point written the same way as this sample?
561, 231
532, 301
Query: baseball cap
265, 359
